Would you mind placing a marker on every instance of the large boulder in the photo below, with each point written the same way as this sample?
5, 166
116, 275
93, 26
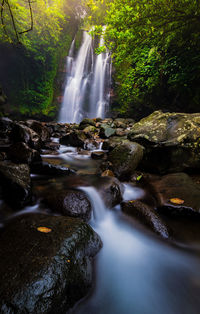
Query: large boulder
45, 272
22, 153
72, 203
16, 183
22, 133
74, 138
125, 158
146, 215
40, 129
171, 140
175, 193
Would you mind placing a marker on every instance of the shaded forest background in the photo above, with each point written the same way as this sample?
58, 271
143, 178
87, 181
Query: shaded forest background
155, 48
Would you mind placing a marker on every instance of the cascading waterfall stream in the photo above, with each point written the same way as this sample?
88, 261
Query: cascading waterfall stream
135, 273
87, 91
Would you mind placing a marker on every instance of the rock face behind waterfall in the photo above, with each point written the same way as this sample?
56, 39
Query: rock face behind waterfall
45, 272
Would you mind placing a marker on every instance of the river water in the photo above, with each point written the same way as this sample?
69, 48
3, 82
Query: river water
136, 272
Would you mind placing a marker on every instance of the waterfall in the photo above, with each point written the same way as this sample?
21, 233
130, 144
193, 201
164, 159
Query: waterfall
87, 83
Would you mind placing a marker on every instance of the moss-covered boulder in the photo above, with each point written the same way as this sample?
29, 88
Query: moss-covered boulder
125, 158
172, 141
45, 272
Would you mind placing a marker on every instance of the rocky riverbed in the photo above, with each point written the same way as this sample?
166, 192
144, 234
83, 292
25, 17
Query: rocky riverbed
48, 270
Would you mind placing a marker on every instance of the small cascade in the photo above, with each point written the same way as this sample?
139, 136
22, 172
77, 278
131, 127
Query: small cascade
99, 209
87, 91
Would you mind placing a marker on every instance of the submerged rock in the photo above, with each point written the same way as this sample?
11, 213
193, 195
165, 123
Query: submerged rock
125, 158
172, 141
16, 183
45, 272
146, 215
72, 203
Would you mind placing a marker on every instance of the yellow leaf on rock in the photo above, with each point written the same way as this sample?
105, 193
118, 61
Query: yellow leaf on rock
44, 229
177, 201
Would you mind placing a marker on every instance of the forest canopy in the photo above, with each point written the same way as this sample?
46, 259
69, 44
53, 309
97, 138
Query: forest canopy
154, 44
156, 51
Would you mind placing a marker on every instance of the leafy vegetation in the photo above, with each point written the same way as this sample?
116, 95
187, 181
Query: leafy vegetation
33, 38
156, 52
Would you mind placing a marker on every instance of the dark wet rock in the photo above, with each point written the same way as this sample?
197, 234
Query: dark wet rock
16, 183
125, 158
98, 154
51, 146
6, 125
146, 215
74, 138
40, 129
120, 123
45, 168
106, 131
175, 185
22, 133
72, 203
110, 190
45, 272
3, 156
22, 153
87, 122
171, 140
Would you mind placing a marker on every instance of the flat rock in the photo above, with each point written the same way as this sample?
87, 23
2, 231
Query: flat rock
175, 185
45, 272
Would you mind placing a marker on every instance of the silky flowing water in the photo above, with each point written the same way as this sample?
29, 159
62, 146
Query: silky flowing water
88, 79
135, 271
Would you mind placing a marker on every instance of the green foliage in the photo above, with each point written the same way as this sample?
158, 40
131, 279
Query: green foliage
156, 52
36, 53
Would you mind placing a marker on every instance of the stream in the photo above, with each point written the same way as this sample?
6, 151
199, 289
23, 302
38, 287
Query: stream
135, 271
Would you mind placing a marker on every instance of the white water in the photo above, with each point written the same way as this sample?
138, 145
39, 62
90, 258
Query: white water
87, 83
136, 273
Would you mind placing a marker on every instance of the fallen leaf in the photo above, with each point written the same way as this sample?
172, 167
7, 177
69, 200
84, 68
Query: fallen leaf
44, 229
177, 201
139, 178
